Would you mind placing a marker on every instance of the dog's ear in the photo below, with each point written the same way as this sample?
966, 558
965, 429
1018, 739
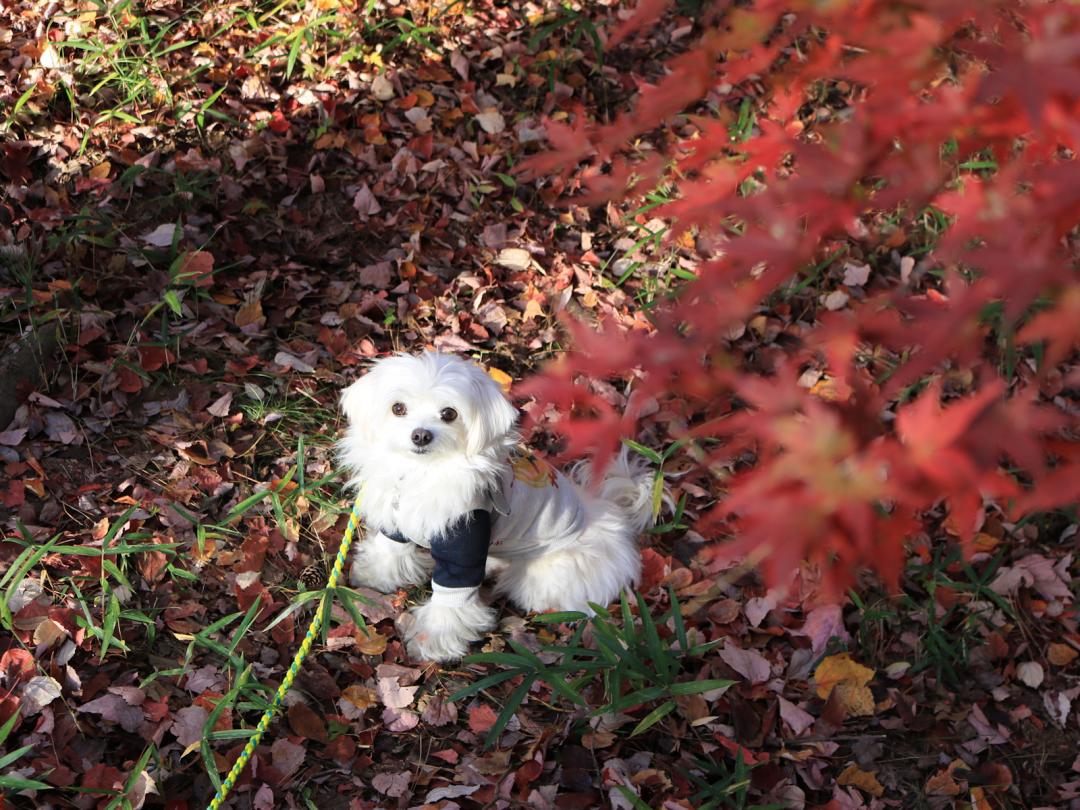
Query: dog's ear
358, 403
494, 417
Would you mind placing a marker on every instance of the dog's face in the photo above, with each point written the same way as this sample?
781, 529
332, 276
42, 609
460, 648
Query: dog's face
428, 406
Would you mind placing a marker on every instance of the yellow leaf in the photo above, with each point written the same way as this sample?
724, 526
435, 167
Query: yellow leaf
849, 679
858, 701
686, 240
985, 543
826, 389
206, 552
370, 642
840, 669
101, 171
330, 140
502, 378
863, 780
360, 696
533, 471
533, 310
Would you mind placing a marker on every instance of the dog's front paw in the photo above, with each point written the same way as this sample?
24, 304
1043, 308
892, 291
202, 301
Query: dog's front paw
386, 565
443, 632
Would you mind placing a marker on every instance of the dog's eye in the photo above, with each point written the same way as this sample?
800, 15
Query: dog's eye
399, 409
448, 414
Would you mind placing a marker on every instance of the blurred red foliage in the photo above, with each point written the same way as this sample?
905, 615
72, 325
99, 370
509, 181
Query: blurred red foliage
938, 381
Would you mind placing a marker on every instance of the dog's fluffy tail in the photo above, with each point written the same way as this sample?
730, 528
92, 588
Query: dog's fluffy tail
628, 483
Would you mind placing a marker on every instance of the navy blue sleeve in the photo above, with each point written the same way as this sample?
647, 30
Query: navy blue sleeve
460, 552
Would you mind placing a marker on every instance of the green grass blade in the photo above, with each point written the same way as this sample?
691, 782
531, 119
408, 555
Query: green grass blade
697, 687
677, 620
653, 717
17, 783
9, 724
505, 659
563, 688
636, 698
648, 452
108, 626
560, 617
248, 620
633, 798
483, 683
663, 660
11, 756
507, 712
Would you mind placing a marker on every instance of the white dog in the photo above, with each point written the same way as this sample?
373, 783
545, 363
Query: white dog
432, 440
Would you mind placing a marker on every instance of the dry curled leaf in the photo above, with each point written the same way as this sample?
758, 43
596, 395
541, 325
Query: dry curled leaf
370, 642
1031, 673
863, 780
491, 121
849, 679
1061, 655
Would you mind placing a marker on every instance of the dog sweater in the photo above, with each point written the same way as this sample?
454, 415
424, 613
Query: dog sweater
459, 551
534, 505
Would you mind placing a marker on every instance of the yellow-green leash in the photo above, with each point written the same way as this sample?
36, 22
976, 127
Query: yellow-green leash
298, 659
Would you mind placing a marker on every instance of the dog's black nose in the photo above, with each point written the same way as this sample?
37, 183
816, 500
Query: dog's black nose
422, 437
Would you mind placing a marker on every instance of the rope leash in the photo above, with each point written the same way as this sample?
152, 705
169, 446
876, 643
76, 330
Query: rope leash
298, 659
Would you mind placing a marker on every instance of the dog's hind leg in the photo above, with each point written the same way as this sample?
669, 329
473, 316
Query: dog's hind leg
595, 568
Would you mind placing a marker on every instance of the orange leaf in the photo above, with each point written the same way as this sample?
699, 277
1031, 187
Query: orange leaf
130, 382
1061, 655
151, 358
250, 313
481, 718
863, 780
502, 378
370, 642
360, 696
279, 123
836, 669
196, 267
942, 783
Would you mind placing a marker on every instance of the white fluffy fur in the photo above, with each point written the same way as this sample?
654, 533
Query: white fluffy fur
443, 632
602, 561
384, 565
590, 556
